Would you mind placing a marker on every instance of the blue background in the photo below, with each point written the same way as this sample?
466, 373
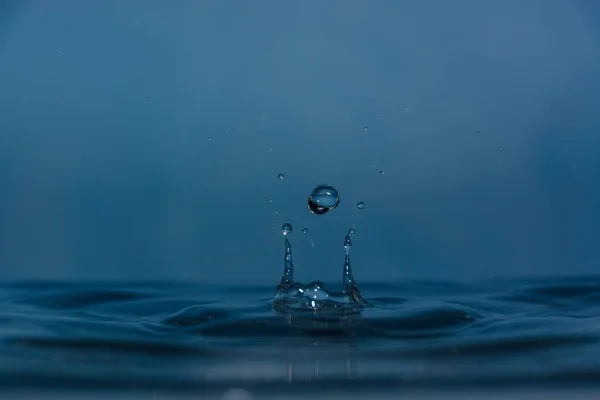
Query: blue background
484, 116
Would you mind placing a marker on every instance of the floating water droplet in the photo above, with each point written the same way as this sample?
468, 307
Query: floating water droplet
210, 138
304, 231
381, 172
360, 205
366, 128
274, 224
322, 199
271, 201
280, 176
286, 229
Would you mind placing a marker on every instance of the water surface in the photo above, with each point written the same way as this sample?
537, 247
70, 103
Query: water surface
204, 340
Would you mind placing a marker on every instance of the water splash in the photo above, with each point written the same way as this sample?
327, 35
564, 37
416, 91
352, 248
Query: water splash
291, 296
350, 287
287, 280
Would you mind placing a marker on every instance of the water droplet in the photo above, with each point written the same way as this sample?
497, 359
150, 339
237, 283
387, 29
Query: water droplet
286, 229
280, 176
366, 128
304, 231
210, 138
276, 212
360, 205
322, 199
271, 201
381, 172
274, 224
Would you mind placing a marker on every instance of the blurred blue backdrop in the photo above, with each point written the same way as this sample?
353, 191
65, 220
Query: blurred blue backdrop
484, 116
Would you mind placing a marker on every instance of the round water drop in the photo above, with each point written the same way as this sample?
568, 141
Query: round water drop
210, 138
323, 199
286, 229
270, 200
360, 205
366, 128
381, 172
304, 231
280, 176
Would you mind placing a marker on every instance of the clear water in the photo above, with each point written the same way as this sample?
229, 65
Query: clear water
487, 339
205, 340
182, 340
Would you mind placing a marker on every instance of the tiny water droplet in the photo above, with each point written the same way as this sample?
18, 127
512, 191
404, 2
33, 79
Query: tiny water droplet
280, 176
360, 205
304, 231
271, 201
210, 138
274, 224
322, 199
366, 128
381, 172
276, 212
286, 229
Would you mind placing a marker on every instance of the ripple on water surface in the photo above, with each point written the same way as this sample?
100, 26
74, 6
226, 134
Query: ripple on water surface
209, 338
